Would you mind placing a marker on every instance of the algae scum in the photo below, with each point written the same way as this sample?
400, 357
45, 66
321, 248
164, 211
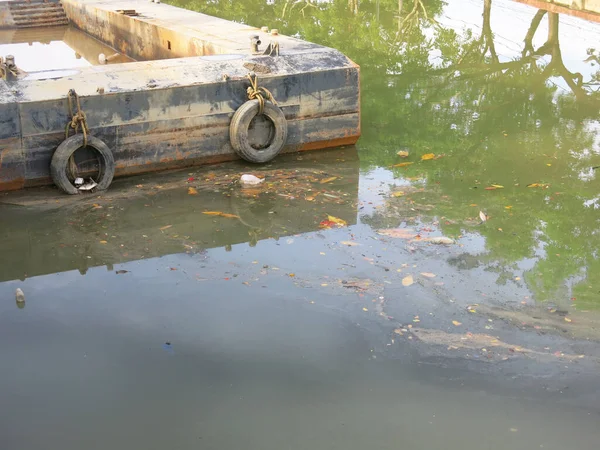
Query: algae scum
434, 287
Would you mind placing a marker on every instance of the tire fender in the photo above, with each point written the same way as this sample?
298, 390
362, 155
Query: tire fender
60, 162
240, 123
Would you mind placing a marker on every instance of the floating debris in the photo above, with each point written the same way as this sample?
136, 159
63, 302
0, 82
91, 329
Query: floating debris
20, 296
250, 180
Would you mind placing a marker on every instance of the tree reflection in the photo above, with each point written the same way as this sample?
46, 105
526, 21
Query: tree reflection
509, 120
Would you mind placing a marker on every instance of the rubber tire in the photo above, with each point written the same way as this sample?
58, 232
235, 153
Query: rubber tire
60, 161
238, 131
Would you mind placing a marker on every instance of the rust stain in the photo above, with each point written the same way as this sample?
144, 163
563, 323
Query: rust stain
12, 185
339, 142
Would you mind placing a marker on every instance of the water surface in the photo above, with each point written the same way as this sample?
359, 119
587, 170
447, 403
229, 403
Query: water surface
182, 311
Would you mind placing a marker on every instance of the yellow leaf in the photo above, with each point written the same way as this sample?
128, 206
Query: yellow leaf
428, 274
365, 309
567, 319
508, 207
404, 164
349, 243
427, 156
548, 165
292, 275
498, 186
402, 154
456, 323
220, 214
398, 194
166, 227
104, 242
328, 180
192, 191
337, 221
407, 281
473, 204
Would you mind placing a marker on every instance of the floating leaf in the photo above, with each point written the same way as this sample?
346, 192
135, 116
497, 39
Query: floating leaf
440, 240
122, 271
166, 227
349, 243
402, 154
567, 319
427, 156
326, 224
407, 281
220, 214
483, 216
365, 309
401, 233
456, 323
192, 191
404, 164
397, 194
428, 274
333, 221
328, 180
491, 188
508, 207
498, 186
336, 220
104, 242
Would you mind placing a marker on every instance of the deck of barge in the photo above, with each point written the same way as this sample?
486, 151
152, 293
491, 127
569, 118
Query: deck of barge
172, 107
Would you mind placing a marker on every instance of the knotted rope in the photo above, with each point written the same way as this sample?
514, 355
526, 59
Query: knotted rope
78, 119
259, 93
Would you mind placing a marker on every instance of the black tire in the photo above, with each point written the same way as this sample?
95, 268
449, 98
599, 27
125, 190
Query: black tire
238, 132
60, 161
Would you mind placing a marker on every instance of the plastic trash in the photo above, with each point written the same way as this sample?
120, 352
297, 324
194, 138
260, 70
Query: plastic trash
91, 184
250, 180
20, 297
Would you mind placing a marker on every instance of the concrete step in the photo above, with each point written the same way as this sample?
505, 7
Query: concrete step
54, 23
14, 7
37, 14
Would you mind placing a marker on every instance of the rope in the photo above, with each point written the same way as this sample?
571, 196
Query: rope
259, 93
78, 119
5, 70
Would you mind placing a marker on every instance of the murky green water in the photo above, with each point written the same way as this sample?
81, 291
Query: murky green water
182, 311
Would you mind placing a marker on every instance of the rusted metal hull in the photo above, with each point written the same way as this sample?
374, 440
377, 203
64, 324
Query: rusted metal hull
173, 109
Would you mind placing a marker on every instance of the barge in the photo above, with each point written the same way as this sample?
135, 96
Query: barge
181, 89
